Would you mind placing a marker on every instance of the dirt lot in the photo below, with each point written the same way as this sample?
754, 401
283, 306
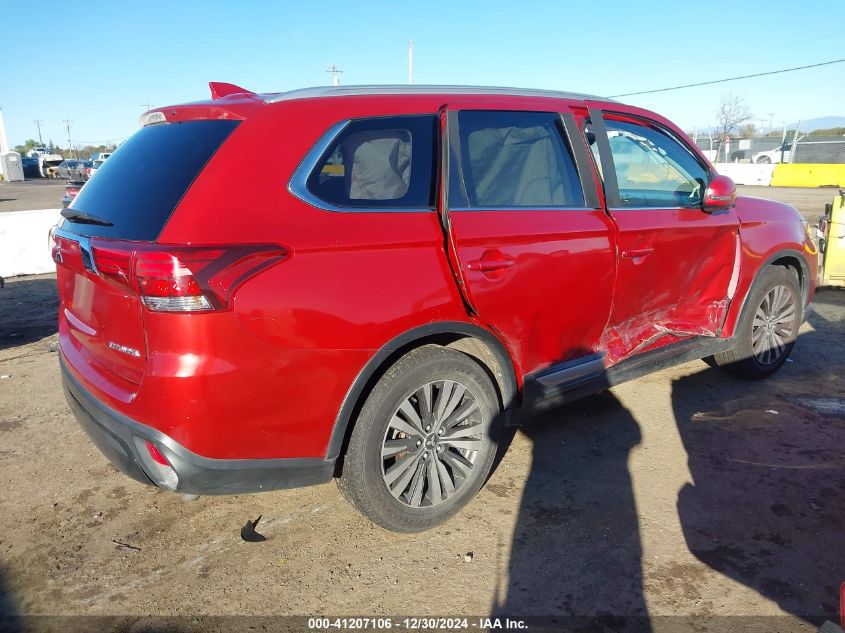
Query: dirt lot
31, 194
686, 493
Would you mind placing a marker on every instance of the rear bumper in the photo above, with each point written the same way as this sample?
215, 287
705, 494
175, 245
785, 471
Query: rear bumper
116, 436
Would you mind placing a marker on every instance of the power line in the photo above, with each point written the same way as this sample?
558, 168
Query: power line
69, 144
719, 81
744, 53
335, 71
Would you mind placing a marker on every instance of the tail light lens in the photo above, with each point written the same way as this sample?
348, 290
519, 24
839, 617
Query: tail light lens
183, 279
55, 247
72, 191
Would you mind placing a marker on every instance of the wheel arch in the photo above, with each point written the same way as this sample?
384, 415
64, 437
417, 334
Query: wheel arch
473, 340
788, 258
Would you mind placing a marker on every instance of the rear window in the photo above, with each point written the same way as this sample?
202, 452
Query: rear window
138, 187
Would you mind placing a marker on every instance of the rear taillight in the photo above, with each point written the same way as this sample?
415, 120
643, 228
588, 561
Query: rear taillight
183, 279
55, 247
72, 191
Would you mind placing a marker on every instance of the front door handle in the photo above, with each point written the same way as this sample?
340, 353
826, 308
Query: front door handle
637, 253
490, 261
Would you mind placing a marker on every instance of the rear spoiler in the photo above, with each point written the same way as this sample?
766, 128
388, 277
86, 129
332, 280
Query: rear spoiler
220, 89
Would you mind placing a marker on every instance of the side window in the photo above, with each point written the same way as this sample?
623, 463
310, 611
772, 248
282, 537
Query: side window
380, 162
511, 160
653, 169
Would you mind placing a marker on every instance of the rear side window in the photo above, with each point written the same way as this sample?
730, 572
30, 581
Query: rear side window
385, 162
139, 186
512, 160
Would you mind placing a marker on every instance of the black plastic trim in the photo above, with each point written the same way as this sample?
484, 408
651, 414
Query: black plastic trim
114, 434
608, 169
350, 402
571, 372
578, 382
583, 163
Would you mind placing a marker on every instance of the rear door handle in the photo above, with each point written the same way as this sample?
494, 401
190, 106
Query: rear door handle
638, 252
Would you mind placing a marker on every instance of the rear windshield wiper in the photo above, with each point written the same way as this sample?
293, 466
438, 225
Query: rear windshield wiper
84, 218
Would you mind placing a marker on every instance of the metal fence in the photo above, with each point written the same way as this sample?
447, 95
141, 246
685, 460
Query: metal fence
807, 151
769, 149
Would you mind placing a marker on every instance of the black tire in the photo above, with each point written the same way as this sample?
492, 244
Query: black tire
764, 160
742, 360
363, 481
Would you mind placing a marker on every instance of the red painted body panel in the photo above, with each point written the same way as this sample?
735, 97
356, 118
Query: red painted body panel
552, 303
675, 268
768, 230
266, 377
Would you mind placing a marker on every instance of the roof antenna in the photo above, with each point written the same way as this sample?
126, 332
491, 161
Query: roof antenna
410, 62
335, 70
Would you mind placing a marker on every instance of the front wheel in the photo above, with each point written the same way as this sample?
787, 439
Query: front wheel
769, 326
424, 442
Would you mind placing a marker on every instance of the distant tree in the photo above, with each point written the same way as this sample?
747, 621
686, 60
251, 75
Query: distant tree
831, 131
733, 112
27, 145
749, 130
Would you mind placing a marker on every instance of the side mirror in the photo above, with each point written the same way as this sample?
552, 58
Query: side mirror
720, 195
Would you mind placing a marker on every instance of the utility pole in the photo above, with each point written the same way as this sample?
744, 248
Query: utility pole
38, 123
69, 145
335, 70
771, 120
410, 62
147, 105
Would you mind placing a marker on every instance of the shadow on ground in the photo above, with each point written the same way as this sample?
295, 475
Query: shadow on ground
576, 549
764, 508
28, 310
9, 617
767, 499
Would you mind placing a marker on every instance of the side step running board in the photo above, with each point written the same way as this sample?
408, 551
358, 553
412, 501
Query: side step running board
581, 377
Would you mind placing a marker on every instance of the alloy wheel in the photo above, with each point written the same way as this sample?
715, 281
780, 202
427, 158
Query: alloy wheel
774, 325
432, 443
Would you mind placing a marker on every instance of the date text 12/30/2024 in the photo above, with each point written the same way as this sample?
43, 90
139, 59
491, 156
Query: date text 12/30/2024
417, 624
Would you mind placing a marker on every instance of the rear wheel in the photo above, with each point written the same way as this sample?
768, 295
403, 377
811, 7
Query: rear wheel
764, 160
424, 442
769, 326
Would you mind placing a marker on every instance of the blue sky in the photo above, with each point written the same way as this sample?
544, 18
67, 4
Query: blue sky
130, 53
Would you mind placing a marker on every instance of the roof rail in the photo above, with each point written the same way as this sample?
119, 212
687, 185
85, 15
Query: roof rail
345, 91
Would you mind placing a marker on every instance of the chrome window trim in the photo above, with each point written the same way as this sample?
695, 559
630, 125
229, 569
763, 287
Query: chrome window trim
298, 184
521, 209
697, 208
84, 246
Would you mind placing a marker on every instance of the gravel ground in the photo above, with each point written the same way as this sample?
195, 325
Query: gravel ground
31, 194
681, 496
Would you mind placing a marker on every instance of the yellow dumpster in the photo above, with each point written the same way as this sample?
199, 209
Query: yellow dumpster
831, 232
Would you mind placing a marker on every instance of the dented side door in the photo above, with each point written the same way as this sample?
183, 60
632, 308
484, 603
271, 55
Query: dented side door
676, 263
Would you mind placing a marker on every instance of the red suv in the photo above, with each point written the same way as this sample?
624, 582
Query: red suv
405, 272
